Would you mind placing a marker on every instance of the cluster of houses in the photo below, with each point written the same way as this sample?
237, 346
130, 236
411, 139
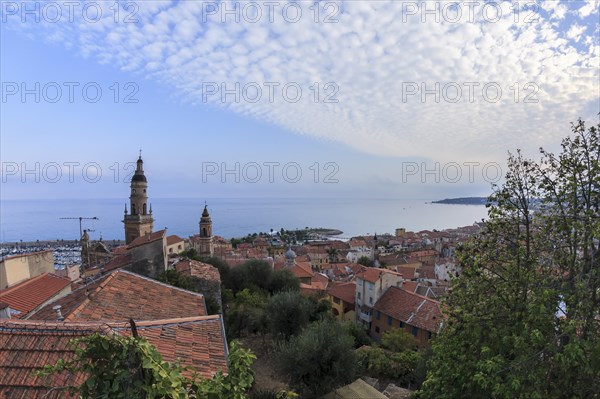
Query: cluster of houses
380, 282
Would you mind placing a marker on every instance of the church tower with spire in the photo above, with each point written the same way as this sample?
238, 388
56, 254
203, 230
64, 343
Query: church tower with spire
138, 222
205, 239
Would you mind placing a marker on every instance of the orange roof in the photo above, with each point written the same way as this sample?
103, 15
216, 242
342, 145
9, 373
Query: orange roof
26, 346
118, 262
371, 274
122, 295
157, 235
173, 239
194, 268
410, 308
345, 291
410, 286
302, 270
29, 294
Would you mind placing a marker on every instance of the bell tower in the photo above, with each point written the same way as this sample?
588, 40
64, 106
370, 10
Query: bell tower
206, 238
138, 222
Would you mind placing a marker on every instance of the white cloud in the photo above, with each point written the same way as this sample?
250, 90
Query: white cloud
575, 32
371, 61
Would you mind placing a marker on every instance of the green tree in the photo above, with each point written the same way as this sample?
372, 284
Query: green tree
365, 261
120, 367
176, 279
398, 340
247, 314
254, 274
320, 359
522, 317
288, 313
283, 280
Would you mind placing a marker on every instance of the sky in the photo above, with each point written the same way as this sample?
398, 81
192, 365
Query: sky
377, 99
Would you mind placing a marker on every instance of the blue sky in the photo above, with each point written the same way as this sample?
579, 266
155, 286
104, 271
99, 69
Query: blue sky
369, 134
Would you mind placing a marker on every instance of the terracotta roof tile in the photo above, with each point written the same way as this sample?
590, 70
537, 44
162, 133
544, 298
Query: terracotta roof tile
345, 291
157, 235
372, 274
173, 239
26, 346
194, 268
28, 295
122, 295
411, 308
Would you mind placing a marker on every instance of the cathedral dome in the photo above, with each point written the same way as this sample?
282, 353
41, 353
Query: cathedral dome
289, 254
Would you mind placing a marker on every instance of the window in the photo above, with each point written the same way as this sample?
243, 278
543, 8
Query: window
389, 320
429, 335
371, 300
401, 324
376, 329
336, 300
414, 331
371, 286
358, 295
378, 315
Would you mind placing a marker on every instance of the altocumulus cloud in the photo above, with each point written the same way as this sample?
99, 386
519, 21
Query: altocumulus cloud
377, 57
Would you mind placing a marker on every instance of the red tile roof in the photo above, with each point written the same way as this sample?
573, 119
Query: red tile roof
372, 274
345, 291
411, 308
122, 295
302, 270
29, 294
194, 268
118, 262
173, 239
198, 342
157, 235
26, 346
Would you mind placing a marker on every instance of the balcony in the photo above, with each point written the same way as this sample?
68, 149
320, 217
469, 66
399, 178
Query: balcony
365, 314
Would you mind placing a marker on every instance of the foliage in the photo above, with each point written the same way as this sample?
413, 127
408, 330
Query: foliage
283, 280
398, 340
176, 279
522, 317
320, 359
289, 312
118, 367
358, 333
212, 306
399, 366
236, 383
246, 314
365, 261
254, 274
271, 394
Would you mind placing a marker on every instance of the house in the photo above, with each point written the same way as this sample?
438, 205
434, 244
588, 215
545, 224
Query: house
27, 346
175, 244
398, 308
371, 284
17, 268
30, 295
149, 254
122, 295
342, 301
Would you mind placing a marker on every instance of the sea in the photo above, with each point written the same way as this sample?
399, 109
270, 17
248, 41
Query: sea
41, 219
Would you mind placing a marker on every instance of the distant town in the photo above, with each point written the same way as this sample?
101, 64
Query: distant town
378, 282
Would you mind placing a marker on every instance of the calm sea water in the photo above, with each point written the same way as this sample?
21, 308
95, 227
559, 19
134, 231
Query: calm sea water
32, 220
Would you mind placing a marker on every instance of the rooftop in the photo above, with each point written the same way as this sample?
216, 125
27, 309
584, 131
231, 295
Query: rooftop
26, 346
121, 295
411, 308
29, 294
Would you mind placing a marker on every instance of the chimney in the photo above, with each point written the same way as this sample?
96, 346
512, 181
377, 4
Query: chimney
59, 315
